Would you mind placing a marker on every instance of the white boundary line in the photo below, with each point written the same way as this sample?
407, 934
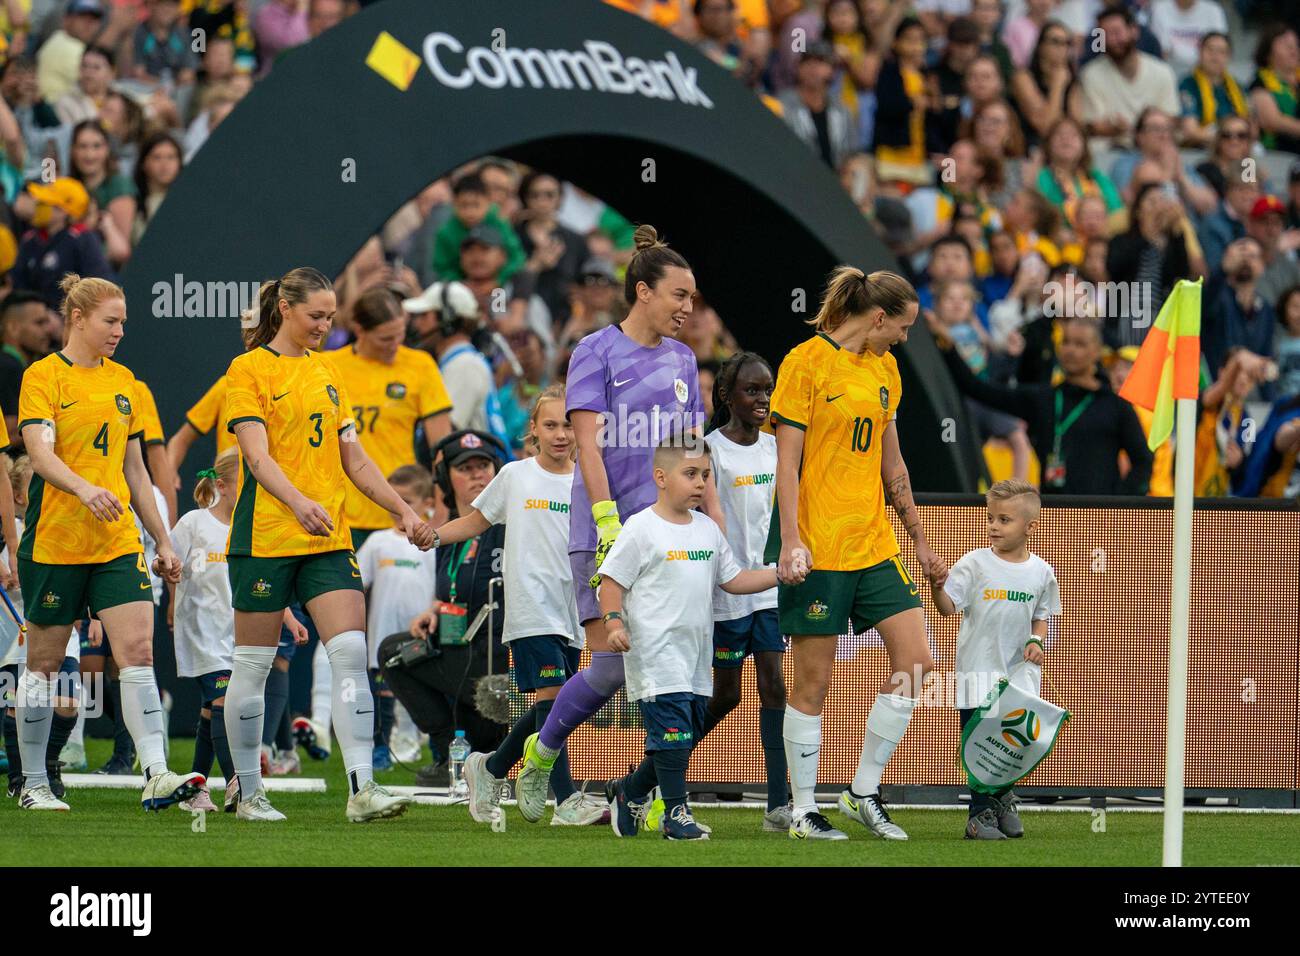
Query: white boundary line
96, 781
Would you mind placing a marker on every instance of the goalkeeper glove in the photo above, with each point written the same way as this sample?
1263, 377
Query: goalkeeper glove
607, 530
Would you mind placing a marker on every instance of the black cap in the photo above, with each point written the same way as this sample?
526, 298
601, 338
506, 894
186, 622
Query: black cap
93, 7
820, 50
470, 444
598, 267
963, 30
483, 235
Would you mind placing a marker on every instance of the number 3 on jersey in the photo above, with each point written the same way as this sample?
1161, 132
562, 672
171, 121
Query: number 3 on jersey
319, 437
862, 433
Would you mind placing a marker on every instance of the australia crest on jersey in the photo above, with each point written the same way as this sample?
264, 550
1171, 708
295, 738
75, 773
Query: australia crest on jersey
884, 398
123, 403
396, 391
332, 392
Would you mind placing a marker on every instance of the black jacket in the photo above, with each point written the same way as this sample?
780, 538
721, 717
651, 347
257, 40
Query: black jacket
482, 563
1091, 446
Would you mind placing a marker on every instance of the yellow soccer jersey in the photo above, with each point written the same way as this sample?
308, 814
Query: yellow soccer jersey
147, 413
210, 411
843, 403
93, 412
305, 412
387, 403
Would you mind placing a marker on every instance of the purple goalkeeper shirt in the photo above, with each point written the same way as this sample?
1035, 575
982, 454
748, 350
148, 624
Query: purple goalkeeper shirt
644, 395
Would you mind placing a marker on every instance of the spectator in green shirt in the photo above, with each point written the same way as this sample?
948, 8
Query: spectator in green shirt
471, 207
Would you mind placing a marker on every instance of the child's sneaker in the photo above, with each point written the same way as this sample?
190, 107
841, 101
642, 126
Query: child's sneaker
1008, 816
778, 820
625, 816
680, 825
984, 826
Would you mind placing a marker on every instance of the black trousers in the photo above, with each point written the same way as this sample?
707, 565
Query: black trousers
439, 693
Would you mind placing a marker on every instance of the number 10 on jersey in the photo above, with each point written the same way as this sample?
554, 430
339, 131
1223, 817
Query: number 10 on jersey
862, 433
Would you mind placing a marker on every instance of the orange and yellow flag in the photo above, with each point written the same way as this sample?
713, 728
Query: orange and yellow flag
1168, 365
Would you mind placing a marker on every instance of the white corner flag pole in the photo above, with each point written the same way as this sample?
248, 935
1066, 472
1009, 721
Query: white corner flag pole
1179, 612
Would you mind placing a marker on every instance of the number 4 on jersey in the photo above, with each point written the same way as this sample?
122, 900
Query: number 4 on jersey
101, 440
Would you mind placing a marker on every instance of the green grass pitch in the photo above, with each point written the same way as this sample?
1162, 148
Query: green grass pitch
108, 828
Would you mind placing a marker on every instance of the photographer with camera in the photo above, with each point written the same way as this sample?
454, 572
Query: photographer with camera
433, 669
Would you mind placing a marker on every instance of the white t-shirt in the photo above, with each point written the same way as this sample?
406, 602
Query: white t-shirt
204, 618
1107, 92
533, 504
670, 571
746, 479
11, 652
401, 580
999, 601
469, 382
1179, 31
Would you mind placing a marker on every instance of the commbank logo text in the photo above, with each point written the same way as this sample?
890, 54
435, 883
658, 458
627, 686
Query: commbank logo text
598, 65
77, 909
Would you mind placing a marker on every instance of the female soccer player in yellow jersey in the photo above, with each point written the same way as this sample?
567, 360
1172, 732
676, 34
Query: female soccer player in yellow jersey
838, 459
288, 536
392, 389
81, 423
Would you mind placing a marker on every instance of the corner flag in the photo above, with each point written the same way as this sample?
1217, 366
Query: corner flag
1169, 363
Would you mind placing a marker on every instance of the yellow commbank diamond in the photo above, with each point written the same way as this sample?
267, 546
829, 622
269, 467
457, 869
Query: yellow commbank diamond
393, 61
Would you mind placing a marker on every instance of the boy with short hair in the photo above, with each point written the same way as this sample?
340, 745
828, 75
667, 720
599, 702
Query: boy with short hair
661, 572
1006, 595
472, 207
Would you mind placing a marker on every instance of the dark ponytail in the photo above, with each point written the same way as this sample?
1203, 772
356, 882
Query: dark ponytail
650, 261
293, 287
724, 385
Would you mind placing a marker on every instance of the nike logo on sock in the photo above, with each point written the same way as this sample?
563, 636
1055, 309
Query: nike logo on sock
254, 717
28, 720
148, 712
361, 712
811, 752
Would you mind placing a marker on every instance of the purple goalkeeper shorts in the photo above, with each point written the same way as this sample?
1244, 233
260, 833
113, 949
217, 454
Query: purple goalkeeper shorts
583, 564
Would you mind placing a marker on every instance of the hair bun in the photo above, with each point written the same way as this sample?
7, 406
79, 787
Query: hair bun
646, 237
68, 282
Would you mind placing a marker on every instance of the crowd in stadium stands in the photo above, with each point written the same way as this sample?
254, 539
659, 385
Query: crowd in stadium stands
1044, 170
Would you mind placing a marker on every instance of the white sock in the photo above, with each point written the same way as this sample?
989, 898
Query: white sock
320, 687
245, 714
33, 713
353, 705
143, 714
886, 725
78, 736
803, 743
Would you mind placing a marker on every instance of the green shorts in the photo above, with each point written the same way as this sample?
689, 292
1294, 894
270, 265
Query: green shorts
272, 584
62, 593
827, 600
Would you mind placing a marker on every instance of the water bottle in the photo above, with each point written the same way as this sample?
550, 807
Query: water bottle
457, 753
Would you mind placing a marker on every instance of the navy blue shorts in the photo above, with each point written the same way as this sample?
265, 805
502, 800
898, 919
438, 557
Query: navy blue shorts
541, 661
287, 648
213, 685
733, 641
673, 721
104, 649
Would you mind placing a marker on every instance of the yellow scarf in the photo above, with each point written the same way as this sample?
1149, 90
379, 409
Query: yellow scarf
1209, 106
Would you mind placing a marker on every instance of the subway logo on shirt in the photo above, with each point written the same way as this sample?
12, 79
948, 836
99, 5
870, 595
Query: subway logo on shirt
690, 555
745, 480
542, 504
994, 594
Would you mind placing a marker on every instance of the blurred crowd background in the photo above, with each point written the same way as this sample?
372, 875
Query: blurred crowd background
1045, 171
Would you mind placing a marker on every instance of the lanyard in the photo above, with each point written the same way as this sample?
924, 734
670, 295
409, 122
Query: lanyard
456, 561
1064, 426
